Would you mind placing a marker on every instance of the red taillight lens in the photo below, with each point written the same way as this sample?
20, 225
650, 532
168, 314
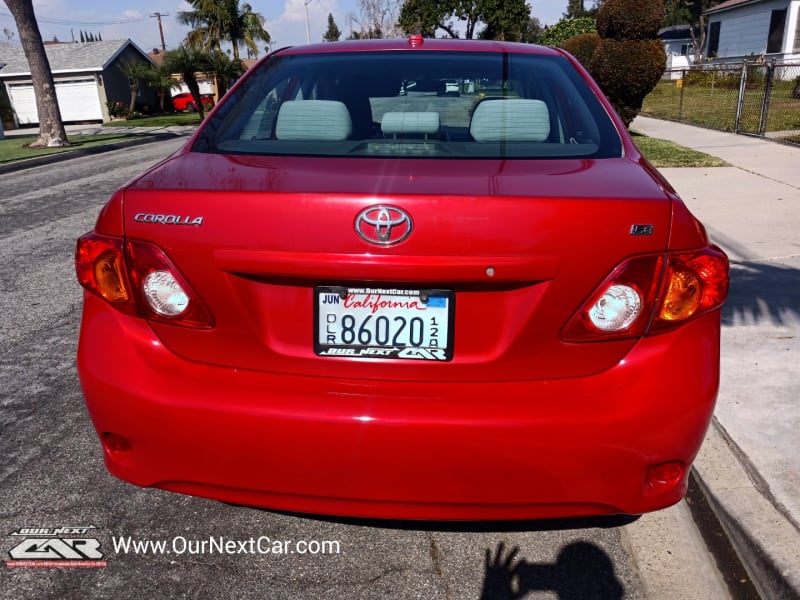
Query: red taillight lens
137, 278
621, 306
162, 291
651, 294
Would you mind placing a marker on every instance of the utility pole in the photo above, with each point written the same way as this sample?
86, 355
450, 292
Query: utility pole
158, 16
308, 27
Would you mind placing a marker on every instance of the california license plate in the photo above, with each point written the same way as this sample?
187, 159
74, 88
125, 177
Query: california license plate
384, 323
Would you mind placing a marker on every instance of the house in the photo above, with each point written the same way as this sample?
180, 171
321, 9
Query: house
679, 47
753, 29
204, 80
86, 75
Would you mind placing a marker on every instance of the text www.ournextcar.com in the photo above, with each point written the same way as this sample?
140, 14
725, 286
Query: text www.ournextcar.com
263, 545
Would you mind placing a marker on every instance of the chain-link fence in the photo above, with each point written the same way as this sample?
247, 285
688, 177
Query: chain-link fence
760, 99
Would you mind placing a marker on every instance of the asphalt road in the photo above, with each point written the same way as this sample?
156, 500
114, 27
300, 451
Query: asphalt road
52, 475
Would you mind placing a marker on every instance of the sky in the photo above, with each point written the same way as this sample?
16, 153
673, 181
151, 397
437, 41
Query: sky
123, 19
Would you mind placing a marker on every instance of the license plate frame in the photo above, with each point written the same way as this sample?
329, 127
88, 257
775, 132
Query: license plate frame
422, 306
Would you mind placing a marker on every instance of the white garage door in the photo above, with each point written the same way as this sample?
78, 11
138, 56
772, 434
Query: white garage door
77, 99
24, 103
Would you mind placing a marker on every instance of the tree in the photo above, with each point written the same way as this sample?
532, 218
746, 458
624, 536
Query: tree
683, 12
378, 19
51, 127
630, 59
217, 21
225, 70
531, 31
188, 61
575, 9
503, 20
160, 79
333, 33
135, 70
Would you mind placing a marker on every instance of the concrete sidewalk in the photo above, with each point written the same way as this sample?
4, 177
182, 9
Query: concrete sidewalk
749, 466
98, 129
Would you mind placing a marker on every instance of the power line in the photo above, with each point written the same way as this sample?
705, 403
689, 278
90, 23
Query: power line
53, 21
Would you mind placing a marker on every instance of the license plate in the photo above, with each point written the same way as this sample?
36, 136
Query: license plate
361, 322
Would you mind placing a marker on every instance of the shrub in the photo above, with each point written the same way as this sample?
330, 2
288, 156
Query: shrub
627, 71
712, 78
582, 47
117, 109
630, 19
556, 34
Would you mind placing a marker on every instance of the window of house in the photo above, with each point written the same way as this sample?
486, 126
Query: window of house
713, 39
797, 35
776, 26
687, 49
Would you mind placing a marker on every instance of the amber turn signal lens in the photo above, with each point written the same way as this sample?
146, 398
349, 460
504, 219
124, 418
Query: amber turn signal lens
109, 277
696, 282
683, 296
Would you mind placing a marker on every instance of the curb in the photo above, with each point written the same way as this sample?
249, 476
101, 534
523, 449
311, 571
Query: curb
767, 542
48, 159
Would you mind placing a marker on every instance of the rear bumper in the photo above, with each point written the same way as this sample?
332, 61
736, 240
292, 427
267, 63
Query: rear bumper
411, 450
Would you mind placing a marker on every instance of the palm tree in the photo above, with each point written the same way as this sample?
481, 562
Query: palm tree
217, 21
225, 70
135, 70
188, 61
162, 81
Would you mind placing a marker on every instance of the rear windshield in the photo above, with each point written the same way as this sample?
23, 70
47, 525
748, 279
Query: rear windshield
413, 104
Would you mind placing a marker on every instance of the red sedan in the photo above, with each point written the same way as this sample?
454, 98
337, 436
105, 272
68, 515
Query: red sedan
185, 102
351, 294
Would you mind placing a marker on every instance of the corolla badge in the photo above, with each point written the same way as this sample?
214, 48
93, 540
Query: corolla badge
167, 219
383, 225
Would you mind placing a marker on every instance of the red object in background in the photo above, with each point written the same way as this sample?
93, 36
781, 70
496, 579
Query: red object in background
185, 102
422, 304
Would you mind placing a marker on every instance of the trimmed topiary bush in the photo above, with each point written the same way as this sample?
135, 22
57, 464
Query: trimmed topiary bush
630, 20
630, 59
627, 71
582, 47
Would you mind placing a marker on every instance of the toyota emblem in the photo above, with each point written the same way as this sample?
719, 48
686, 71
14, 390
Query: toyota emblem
383, 225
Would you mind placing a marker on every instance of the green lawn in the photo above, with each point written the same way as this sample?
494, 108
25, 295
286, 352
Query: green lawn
713, 104
158, 121
662, 153
16, 147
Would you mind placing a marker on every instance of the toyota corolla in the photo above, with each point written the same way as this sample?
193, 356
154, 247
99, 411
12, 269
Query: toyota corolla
353, 293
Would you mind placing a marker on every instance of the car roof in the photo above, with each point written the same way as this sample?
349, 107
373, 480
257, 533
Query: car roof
412, 44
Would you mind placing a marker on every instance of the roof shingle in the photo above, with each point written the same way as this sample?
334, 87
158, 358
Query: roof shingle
66, 58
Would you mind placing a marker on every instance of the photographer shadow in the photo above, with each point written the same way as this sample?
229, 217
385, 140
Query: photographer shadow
582, 571
762, 294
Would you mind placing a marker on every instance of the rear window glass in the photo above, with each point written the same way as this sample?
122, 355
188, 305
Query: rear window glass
413, 104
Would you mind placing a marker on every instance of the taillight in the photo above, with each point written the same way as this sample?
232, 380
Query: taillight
100, 267
620, 306
137, 278
162, 291
650, 294
695, 283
